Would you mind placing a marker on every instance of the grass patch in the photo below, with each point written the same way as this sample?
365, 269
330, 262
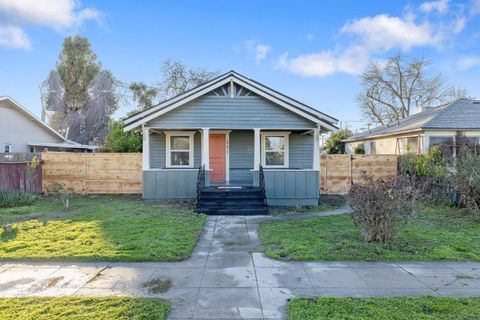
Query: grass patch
438, 233
397, 308
69, 308
103, 228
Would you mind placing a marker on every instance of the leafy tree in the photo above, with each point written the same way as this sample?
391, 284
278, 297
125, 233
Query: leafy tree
77, 67
334, 144
80, 94
119, 141
143, 94
395, 89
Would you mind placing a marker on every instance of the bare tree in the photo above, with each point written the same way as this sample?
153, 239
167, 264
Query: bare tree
178, 78
395, 89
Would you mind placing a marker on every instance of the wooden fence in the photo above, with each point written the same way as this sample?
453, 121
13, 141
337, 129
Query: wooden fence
338, 172
93, 173
18, 176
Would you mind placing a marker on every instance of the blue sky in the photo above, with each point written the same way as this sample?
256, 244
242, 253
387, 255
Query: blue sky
310, 50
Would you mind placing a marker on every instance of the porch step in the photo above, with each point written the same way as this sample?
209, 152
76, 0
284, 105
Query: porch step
232, 211
232, 201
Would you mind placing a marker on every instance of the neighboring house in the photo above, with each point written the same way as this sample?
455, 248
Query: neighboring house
418, 132
21, 131
232, 127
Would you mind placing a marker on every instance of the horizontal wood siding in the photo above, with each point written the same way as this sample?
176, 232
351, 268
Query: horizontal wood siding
169, 184
290, 187
93, 173
158, 151
301, 151
231, 113
338, 172
241, 155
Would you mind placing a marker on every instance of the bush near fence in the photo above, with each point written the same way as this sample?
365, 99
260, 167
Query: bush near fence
93, 173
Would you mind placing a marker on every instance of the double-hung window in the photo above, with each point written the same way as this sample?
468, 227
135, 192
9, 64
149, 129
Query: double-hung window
8, 148
275, 149
179, 147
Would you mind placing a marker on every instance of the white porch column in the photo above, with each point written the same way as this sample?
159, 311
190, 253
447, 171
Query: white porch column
146, 148
256, 149
206, 148
316, 150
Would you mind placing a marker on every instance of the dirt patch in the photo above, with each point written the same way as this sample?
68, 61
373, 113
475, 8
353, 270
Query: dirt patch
46, 284
158, 285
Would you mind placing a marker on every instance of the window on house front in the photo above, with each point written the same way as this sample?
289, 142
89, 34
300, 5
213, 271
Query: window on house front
275, 150
445, 144
179, 150
408, 145
8, 148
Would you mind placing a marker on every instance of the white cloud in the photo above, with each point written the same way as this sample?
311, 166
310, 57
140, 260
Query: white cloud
468, 62
441, 6
384, 32
261, 52
368, 36
13, 37
310, 36
59, 15
325, 63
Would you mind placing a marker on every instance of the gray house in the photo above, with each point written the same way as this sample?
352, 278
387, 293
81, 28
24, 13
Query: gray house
21, 131
228, 137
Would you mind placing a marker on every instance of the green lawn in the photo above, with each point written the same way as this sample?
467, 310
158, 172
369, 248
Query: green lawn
69, 308
326, 204
398, 308
436, 234
103, 228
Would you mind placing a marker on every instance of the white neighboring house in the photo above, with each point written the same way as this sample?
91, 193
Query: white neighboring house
21, 131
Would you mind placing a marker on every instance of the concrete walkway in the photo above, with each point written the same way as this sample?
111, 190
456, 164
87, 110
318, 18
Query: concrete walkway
228, 278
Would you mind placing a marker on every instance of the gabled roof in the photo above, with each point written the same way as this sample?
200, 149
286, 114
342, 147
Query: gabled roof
65, 142
462, 114
293, 105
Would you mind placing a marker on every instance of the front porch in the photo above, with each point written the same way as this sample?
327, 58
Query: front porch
231, 159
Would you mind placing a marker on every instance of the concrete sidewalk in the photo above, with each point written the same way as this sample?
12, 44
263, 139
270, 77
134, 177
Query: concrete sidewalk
227, 277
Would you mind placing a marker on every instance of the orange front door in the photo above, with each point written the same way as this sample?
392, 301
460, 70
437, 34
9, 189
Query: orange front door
217, 157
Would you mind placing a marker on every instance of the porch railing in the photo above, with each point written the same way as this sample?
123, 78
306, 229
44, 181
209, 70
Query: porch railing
200, 183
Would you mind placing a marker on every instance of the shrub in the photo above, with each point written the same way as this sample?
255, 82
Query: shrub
380, 207
467, 180
360, 149
10, 198
60, 191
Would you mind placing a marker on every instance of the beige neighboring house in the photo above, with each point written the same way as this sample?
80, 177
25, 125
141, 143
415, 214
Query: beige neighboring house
21, 131
418, 132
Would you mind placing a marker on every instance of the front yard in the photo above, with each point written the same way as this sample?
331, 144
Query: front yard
438, 233
69, 308
398, 308
101, 228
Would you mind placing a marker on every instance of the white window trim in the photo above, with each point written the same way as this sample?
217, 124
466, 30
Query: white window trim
191, 157
285, 135
9, 148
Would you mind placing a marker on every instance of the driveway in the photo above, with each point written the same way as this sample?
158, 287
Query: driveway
227, 277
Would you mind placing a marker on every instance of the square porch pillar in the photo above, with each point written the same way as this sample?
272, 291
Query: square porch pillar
145, 148
316, 150
256, 157
206, 154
